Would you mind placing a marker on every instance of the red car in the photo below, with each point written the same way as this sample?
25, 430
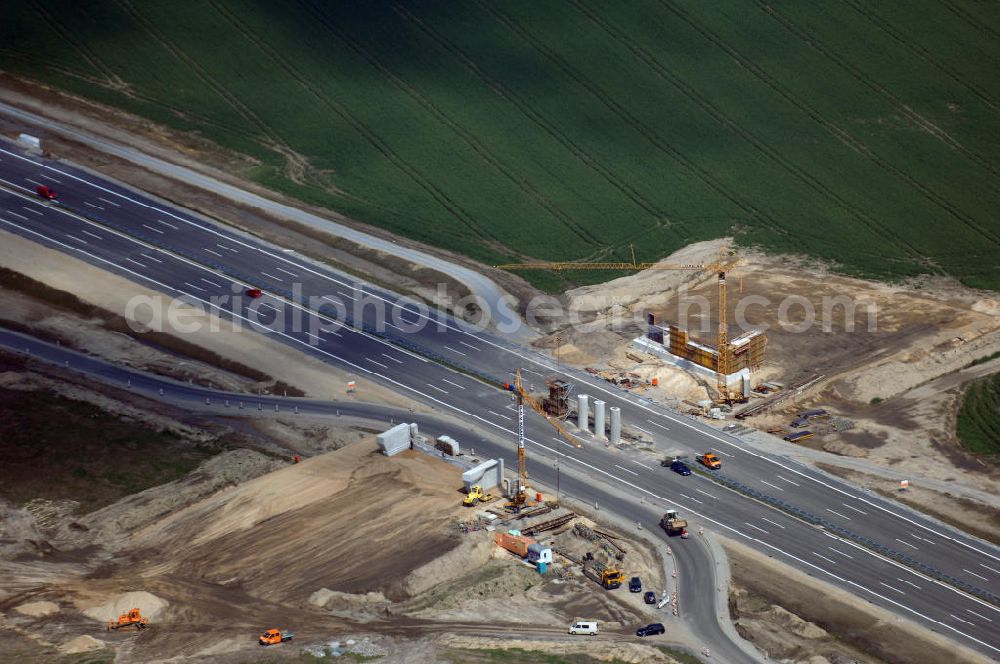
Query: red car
254, 293
46, 193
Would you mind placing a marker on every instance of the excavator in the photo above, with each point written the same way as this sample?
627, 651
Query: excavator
477, 496
133, 618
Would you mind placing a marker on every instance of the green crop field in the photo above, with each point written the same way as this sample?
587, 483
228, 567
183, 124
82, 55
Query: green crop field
979, 416
865, 134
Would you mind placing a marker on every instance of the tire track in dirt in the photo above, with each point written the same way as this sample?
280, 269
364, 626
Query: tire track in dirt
929, 194
467, 137
537, 118
646, 132
667, 75
923, 54
203, 75
456, 211
838, 133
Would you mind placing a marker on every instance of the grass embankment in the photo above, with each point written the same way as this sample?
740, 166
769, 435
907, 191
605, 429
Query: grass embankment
978, 424
87, 454
160, 340
863, 134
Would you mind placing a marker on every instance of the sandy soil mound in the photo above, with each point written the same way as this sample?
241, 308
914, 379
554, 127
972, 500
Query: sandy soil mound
149, 604
314, 525
37, 609
83, 643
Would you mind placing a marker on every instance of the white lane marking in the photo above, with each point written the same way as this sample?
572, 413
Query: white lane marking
153, 228
990, 568
445, 380
757, 527
19, 216
214, 253
684, 495
779, 464
49, 177
772, 485
850, 507
222, 246
89, 204
194, 287
93, 235
343, 294
25, 207
846, 555
909, 583
394, 326
600, 471
639, 463
658, 425
764, 518
271, 276
974, 574
453, 350
901, 592
104, 200
922, 539
785, 479
155, 260
907, 544
832, 562
435, 387
331, 299
979, 615
838, 514
631, 472
334, 333
135, 261
469, 346
706, 493
310, 334
526, 370
165, 223
635, 426
211, 283
34, 182
715, 449
281, 269
394, 359
506, 417
73, 237
265, 304
376, 362
961, 619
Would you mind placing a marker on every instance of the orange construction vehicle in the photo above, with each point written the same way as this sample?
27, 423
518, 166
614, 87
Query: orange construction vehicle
131, 619
273, 637
709, 460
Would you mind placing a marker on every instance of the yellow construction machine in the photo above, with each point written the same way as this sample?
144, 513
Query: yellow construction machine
477, 496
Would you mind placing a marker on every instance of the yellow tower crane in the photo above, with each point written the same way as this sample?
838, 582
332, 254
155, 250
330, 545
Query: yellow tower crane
720, 266
519, 495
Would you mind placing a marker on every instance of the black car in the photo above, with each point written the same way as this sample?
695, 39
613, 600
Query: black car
650, 630
649, 597
635, 585
680, 467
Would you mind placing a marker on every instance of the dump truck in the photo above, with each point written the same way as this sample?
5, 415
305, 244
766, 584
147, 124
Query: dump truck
273, 637
132, 618
476, 495
609, 577
709, 460
673, 524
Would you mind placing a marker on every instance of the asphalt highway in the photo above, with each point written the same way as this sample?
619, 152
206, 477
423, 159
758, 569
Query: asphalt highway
441, 361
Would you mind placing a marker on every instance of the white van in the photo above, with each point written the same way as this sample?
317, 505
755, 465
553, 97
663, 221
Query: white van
583, 627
